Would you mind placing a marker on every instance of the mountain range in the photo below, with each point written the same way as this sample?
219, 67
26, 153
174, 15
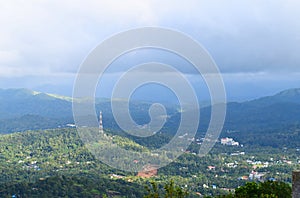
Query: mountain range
23, 109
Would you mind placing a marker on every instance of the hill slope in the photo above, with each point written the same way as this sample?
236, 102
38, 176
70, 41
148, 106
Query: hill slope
22, 109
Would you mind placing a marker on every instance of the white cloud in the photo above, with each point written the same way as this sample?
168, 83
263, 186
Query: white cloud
9, 56
59, 34
51, 37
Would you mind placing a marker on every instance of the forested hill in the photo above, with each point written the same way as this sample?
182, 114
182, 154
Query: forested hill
55, 163
22, 109
20, 102
271, 113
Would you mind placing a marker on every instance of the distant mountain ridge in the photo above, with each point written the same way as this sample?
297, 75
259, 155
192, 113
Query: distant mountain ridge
19, 107
23, 109
19, 102
286, 96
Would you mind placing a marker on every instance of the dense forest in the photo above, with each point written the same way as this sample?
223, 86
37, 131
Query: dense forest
32, 161
250, 122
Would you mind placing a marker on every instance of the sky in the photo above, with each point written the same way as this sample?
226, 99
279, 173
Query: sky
255, 43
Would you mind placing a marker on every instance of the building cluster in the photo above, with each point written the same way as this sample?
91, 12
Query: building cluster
229, 142
256, 176
33, 165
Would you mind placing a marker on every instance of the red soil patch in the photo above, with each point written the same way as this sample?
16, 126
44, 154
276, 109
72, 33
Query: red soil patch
148, 171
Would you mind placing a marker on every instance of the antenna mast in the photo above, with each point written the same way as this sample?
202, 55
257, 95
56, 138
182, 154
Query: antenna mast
100, 123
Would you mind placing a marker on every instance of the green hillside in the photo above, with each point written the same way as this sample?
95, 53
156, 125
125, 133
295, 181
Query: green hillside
55, 163
22, 110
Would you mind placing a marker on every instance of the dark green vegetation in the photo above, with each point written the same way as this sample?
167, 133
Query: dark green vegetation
55, 163
31, 162
251, 122
268, 189
81, 185
168, 191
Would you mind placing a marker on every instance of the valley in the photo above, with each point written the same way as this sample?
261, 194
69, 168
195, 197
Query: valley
41, 153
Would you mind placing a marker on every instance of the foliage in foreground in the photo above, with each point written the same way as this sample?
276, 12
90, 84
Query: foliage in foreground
85, 185
266, 189
168, 191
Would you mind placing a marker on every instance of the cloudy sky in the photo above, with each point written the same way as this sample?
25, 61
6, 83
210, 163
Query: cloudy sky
255, 43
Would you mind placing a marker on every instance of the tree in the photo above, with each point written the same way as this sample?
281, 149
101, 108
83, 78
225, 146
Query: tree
173, 191
280, 189
152, 191
268, 189
168, 191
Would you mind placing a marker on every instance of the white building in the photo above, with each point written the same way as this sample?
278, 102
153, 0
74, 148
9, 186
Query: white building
229, 141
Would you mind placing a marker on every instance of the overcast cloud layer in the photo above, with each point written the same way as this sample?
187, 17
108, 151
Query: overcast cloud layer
255, 43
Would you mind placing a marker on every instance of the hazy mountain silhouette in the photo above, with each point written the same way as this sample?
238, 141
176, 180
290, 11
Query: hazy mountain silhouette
23, 109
